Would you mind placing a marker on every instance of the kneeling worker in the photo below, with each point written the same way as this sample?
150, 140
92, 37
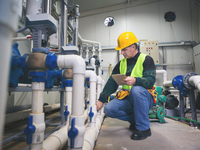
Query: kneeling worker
140, 77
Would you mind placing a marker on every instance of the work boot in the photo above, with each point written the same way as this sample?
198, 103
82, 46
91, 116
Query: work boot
132, 126
140, 135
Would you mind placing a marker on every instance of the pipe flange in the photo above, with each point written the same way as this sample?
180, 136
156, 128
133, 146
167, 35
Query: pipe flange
186, 81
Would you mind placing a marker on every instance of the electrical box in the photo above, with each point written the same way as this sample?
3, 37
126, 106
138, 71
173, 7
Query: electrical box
150, 48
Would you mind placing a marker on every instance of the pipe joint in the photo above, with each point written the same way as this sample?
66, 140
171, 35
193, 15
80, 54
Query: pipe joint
92, 114
74, 61
38, 122
91, 75
38, 86
79, 125
51, 61
36, 61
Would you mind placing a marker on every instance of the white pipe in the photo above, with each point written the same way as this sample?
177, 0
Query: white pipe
92, 98
33, 7
28, 37
83, 41
8, 25
91, 133
167, 84
99, 85
93, 79
164, 73
78, 65
38, 115
57, 140
87, 53
93, 50
16, 116
195, 81
81, 51
68, 100
65, 25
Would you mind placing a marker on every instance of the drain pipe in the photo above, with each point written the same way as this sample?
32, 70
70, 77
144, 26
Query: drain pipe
9, 11
77, 118
92, 112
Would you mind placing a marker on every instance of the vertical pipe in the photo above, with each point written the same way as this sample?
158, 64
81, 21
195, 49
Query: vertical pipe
38, 115
193, 105
65, 25
33, 7
182, 106
76, 25
68, 100
9, 11
48, 6
62, 106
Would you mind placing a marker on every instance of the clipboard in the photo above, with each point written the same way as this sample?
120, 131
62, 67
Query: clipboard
118, 78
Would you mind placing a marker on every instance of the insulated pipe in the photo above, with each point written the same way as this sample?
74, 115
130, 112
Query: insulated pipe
164, 73
92, 112
9, 11
57, 140
38, 115
195, 81
77, 117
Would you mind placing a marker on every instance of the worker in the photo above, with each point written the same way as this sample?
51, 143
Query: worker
140, 77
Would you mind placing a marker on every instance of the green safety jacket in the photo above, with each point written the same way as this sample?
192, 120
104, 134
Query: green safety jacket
137, 69
136, 72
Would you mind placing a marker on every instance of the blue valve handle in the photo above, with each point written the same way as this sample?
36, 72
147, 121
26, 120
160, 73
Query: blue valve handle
91, 114
66, 113
29, 130
73, 132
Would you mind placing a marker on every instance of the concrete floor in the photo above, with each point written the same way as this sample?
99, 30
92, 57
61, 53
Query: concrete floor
172, 135
115, 135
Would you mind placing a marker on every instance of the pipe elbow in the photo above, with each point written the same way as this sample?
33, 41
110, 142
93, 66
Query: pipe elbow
74, 61
91, 74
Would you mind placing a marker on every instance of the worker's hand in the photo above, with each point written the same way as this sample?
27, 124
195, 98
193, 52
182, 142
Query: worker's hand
129, 81
99, 105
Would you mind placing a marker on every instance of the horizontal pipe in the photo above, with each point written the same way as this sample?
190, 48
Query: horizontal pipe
57, 140
12, 117
195, 81
167, 84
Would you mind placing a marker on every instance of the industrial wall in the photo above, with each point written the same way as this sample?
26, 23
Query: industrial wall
147, 22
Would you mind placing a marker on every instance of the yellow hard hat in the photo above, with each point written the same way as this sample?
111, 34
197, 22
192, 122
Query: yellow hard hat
126, 39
